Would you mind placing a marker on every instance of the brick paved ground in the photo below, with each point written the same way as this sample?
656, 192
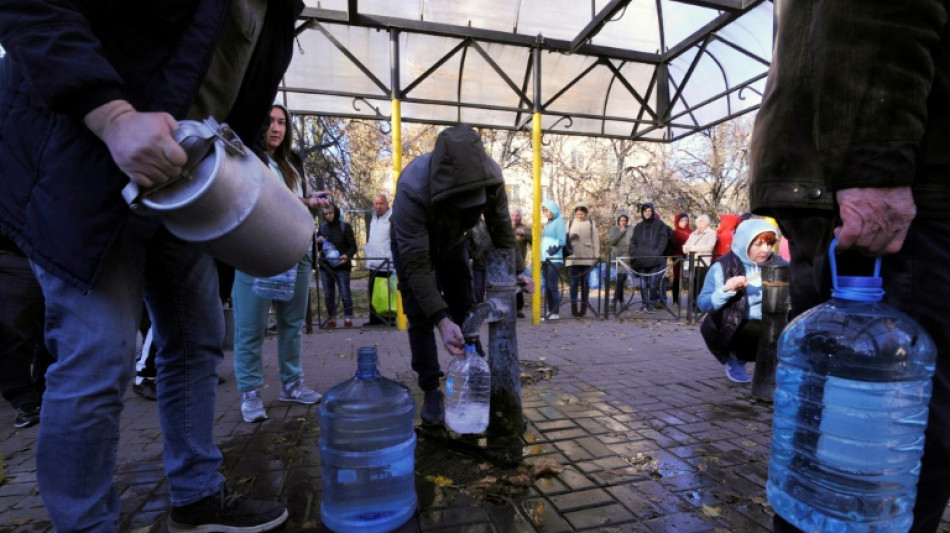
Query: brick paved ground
651, 434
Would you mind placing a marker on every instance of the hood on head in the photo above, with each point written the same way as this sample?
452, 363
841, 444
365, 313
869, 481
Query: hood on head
582, 206
551, 206
728, 222
623, 214
747, 231
336, 215
460, 169
676, 220
644, 206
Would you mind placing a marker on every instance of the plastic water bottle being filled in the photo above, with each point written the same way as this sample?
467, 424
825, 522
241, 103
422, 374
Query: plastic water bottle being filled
467, 392
852, 388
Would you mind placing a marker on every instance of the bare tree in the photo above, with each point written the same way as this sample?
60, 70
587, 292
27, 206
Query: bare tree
713, 167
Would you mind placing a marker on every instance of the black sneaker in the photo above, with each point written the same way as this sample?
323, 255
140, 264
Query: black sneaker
146, 389
27, 415
433, 412
227, 512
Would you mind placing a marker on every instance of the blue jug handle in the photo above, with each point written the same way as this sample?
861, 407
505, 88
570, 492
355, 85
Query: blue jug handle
870, 288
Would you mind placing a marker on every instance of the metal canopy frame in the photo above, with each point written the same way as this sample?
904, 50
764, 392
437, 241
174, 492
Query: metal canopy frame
361, 53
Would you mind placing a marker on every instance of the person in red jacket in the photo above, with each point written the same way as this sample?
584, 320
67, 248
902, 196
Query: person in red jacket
681, 232
727, 227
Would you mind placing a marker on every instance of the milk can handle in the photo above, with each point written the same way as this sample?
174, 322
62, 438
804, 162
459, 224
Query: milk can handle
196, 138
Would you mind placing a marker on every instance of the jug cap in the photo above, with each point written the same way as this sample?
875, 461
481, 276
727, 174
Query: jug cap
855, 288
366, 361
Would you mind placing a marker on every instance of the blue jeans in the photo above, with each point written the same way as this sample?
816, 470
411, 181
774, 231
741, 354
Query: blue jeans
621, 284
250, 321
551, 272
650, 284
332, 278
92, 337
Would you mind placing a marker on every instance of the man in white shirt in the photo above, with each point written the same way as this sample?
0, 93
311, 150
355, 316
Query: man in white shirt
379, 254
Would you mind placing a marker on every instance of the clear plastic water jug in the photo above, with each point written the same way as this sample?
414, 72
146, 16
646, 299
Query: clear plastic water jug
852, 388
468, 393
279, 287
367, 446
330, 253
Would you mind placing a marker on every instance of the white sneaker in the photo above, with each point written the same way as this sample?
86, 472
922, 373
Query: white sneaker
252, 406
296, 391
554, 316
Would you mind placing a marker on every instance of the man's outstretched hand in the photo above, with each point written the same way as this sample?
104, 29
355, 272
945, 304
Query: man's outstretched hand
874, 221
451, 336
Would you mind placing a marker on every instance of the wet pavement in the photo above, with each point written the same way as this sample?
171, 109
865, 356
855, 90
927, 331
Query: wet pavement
632, 426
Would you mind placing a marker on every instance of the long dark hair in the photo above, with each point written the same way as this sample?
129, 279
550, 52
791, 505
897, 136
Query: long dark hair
283, 153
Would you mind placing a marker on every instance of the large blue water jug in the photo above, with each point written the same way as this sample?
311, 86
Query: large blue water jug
852, 388
367, 446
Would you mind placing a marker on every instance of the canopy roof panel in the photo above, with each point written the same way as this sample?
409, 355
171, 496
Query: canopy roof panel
643, 69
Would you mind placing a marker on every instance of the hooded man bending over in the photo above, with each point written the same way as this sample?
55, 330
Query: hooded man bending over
439, 197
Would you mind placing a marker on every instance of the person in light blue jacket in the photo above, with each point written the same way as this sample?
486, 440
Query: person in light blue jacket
732, 297
553, 238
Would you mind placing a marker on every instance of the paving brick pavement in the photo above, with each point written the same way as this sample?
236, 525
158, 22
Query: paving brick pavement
651, 435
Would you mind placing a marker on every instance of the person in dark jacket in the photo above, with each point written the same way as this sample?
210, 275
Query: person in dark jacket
335, 272
647, 244
23, 354
853, 140
523, 240
77, 122
439, 197
479, 246
681, 232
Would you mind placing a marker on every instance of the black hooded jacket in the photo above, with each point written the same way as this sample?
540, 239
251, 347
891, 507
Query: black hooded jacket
340, 235
649, 240
425, 222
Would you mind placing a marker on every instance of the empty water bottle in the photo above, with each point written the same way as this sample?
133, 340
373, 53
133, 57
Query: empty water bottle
367, 445
467, 393
330, 253
853, 384
279, 287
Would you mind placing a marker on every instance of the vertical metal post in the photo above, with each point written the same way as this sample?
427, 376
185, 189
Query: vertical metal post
507, 422
396, 119
536, 189
775, 307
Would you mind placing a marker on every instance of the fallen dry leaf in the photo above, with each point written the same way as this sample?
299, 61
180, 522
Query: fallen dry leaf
545, 467
441, 481
712, 510
520, 479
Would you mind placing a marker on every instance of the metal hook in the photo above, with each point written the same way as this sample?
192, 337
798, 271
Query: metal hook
384, 130
570, 122
740, 96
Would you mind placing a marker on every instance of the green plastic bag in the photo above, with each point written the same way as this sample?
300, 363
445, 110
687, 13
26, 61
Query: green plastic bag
384, 296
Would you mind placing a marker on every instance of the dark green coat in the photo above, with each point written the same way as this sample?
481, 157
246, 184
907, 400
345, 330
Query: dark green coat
858, 95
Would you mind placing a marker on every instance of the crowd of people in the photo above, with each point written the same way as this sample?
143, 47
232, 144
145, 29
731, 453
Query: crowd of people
76, 264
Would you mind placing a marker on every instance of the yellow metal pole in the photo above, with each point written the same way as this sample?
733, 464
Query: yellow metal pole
397, 169
536, 218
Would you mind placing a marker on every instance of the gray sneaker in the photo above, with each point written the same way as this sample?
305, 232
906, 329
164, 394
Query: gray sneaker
252, 406
296, 391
